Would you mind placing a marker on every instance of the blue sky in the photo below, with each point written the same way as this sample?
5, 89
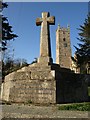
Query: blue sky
22, 16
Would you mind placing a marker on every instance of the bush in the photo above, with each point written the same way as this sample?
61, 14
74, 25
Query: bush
88, 91
77, 106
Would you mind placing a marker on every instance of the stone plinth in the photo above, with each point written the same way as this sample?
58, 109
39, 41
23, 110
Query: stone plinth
44, 85
30, 84
44, 82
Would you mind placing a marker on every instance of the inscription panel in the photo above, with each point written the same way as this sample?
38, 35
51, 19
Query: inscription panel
37, 91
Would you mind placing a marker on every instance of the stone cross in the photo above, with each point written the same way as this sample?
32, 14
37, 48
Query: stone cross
45, 46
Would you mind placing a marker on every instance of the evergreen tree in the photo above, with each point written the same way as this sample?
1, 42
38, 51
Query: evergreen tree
7, 33
83, 52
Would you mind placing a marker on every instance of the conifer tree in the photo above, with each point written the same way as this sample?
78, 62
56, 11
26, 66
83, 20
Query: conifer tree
83, 52
7, 33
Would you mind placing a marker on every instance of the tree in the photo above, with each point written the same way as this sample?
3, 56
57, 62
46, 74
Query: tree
11, 65
7, 33
7, 67
34, 61
83, 52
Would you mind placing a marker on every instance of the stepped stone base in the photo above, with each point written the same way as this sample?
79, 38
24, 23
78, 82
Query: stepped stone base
44, 84
33, 83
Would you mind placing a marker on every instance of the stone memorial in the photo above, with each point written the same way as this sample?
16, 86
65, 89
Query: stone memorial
45, 46
44, 82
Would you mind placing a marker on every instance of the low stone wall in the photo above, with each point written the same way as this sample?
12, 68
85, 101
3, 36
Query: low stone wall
71, 87
87, 78
45, 86
29, 87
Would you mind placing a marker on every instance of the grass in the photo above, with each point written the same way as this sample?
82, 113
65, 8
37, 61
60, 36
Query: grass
88, 91
76, 106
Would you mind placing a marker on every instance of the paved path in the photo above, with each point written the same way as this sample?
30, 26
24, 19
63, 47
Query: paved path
32, 111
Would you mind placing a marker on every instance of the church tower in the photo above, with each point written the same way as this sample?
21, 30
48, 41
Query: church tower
63, 47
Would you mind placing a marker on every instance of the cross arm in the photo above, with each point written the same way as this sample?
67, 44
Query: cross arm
38, 21
51, 20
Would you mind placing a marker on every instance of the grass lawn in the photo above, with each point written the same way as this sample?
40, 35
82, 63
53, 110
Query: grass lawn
76, 106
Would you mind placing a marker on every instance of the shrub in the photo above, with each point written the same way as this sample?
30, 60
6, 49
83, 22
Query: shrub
75, 106
88, 91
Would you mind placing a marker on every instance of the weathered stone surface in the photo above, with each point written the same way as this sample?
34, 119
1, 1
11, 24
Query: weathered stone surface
36, 67
22, 69
59, 87
18, 76
44, 82
36, 91
33, 83
63, 47
43, 75
45, 47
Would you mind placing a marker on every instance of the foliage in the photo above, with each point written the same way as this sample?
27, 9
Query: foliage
83, 52
76, 106
11, 65
7, 33
88, 91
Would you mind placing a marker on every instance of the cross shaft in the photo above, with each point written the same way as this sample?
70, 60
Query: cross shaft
45, 46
